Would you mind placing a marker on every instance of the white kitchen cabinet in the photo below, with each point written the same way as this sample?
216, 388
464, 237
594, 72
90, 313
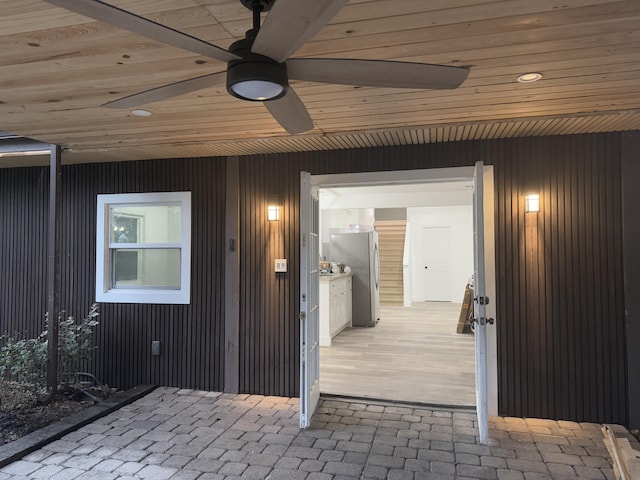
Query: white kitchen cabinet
335, 306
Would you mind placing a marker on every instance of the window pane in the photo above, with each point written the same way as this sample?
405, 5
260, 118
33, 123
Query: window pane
155, 267
145, 224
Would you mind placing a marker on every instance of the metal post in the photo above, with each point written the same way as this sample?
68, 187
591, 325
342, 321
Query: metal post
53, 268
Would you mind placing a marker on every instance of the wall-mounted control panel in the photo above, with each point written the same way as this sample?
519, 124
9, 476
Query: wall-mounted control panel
281, 265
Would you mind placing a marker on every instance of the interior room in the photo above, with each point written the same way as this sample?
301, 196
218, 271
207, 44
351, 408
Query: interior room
414, 346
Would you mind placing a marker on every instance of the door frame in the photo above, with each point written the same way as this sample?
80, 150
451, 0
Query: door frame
435, 175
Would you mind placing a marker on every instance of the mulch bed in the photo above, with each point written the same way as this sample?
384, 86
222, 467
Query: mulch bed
22, 411
16, 424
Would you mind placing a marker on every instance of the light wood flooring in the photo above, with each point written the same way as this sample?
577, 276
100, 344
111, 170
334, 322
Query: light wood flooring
413, 355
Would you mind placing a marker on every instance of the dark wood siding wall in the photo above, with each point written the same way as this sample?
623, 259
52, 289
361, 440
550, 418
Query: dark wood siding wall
631, 228
269, 302
191, 335
560, 279
24, 208
560, 301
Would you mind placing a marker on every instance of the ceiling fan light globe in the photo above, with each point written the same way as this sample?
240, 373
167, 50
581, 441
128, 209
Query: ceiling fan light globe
257, 90
257, 80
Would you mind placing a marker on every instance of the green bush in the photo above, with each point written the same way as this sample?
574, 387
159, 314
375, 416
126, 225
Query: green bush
75, 344
23, 362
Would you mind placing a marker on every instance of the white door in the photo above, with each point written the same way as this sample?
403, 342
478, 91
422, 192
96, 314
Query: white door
309, 295
480, 302
436, 256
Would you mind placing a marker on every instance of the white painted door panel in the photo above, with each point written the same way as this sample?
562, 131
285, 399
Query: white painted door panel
479, 303
309, 299
436, 256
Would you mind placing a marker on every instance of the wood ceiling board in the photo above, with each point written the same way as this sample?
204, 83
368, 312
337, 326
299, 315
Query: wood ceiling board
411, 30
460, 50
587, 51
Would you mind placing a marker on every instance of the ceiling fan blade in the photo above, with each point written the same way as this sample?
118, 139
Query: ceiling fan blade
290, 112
291, 23
115, 16
168, 91
376, 73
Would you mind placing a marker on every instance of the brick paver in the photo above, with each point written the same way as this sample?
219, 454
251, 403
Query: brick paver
193, 435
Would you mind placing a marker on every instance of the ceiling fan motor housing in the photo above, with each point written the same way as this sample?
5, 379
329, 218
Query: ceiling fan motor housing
255, 71
263, 5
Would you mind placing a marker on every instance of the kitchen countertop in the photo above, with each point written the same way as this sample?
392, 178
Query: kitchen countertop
327, 277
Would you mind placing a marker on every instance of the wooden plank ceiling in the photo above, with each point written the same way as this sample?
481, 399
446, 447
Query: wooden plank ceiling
57, 67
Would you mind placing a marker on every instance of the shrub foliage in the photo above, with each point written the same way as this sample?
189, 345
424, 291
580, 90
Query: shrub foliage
23, 361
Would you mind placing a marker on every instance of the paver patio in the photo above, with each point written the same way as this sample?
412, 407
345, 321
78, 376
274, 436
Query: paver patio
186, 434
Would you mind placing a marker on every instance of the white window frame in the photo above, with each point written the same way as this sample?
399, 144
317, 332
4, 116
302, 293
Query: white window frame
104, 291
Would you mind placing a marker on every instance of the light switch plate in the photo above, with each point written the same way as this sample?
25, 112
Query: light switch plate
281, 265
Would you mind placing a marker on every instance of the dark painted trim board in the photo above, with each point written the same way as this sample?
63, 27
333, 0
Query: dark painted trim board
631, 235
232, 279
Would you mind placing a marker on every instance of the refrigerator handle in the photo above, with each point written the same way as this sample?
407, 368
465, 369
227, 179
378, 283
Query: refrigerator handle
376, 265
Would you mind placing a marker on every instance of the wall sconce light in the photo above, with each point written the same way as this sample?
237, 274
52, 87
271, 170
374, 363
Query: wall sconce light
532, 202
273, 213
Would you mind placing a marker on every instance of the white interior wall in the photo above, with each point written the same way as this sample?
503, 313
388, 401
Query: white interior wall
459, 220
341, 220
397, 196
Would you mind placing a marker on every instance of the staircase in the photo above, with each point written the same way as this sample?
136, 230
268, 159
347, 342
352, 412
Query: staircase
391, 235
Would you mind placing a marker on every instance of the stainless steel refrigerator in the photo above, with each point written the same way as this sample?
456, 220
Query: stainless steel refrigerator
360, 252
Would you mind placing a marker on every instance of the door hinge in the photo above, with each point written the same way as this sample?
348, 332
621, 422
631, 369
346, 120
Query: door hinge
303, 315
482, 300
482, 321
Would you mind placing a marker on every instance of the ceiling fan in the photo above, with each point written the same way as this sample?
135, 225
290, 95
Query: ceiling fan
259, 67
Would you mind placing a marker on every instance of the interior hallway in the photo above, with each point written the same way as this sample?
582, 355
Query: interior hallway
413, 354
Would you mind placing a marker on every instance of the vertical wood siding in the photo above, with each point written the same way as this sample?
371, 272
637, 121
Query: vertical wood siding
561, 333
24, 208
191, 335
560, 302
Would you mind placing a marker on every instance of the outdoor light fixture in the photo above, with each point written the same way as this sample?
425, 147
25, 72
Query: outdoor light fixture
532, 202
529, 77
273, 213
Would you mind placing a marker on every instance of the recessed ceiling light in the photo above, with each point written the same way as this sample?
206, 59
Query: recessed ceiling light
141, 113
529, 77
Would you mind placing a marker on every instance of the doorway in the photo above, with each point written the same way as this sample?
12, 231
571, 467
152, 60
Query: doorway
416, 346
407, 178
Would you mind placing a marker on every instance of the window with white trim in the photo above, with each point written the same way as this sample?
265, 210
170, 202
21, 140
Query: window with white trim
143, 252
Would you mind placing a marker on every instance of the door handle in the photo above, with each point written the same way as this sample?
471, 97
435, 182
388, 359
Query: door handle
425, 267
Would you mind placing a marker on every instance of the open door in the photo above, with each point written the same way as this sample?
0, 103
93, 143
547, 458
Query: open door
480, 302
309, 293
